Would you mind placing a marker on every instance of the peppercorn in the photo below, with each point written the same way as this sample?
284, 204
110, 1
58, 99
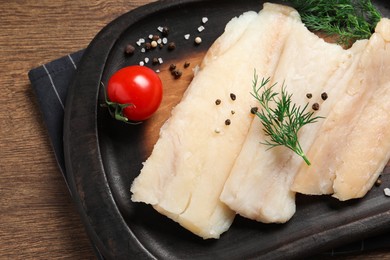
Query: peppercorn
177, 74
186, 64
232, 96
227, 122
171, 46
316, 106
233, 112
378, 182
155, 61
154, 44
148, 45
309, 95
324, 96
172, 67
155, 37
129, 49
218, 102
198, 40
165, 31
254, 110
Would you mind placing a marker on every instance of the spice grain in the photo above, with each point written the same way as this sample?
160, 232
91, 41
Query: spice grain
316, 106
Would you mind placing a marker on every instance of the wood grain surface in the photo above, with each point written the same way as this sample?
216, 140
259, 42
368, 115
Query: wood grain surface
37, 217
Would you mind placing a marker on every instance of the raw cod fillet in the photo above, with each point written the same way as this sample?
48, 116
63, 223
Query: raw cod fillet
185, 174
259, 184
354, 144
202, 172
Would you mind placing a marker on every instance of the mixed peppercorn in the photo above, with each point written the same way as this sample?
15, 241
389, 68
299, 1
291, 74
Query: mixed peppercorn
160, 41
227, 121
316, 105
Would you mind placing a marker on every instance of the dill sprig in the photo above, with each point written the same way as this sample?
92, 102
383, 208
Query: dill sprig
350, 20
281, 119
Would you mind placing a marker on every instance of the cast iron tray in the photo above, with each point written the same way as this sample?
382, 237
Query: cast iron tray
104, 156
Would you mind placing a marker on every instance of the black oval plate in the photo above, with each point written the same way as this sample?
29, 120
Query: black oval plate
104, 156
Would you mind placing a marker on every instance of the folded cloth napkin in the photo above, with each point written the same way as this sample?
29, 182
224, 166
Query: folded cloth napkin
50, 83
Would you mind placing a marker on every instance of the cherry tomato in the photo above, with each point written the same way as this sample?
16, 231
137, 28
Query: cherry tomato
139, 87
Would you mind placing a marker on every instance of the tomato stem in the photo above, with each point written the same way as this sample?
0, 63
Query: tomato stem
116, 109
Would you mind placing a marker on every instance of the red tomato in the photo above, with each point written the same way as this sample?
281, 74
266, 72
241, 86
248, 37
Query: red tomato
138, 86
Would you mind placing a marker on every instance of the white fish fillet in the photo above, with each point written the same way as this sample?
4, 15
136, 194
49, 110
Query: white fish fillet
354, 143
259, 184
185, 174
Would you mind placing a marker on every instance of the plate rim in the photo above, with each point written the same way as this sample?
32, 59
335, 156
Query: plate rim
98, 53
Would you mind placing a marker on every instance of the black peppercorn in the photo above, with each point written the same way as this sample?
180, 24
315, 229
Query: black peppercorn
148, 45
227, 122
129, 49
254, 110
309, 95
172, 67
155, 61
186, 64
177, 74
316, 106
165, 31
218, 102
232, 96
324, 96
171, 46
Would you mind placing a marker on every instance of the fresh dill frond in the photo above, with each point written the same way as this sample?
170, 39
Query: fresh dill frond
350, 20
281, 119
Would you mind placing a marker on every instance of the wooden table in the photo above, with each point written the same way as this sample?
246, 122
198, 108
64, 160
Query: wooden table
38, 219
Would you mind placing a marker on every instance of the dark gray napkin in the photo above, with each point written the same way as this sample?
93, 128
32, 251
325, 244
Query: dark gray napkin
50, 83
